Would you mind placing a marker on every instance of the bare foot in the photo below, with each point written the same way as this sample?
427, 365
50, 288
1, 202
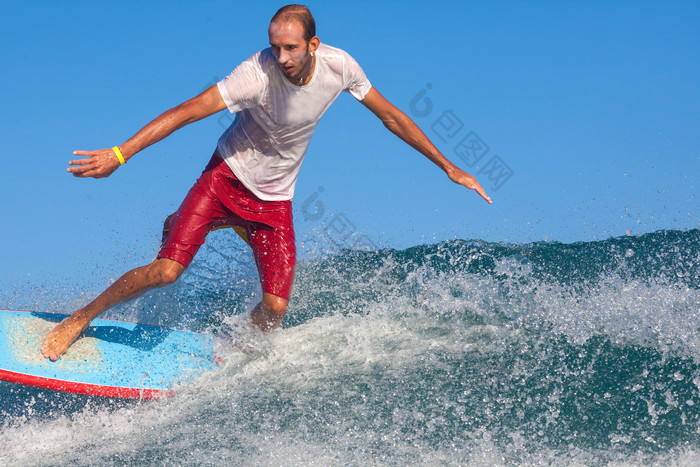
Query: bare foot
60, 339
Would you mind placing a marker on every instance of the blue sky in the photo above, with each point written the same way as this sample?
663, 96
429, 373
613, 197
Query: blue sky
581, 120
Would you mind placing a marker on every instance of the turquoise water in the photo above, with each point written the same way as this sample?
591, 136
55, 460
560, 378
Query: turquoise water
463, 352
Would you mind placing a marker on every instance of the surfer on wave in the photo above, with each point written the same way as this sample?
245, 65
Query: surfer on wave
278, 95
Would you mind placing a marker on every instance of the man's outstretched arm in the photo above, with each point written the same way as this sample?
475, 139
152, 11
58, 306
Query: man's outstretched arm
103, 162
402, 126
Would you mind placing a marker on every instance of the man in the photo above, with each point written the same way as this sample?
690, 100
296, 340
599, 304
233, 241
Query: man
278, 94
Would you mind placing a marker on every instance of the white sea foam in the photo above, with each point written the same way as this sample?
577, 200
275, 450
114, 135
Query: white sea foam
427, 367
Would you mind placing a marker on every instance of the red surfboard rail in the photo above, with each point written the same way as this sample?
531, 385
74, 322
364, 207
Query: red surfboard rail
83, 388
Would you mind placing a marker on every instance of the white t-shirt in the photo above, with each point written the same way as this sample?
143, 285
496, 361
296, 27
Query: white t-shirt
266, 143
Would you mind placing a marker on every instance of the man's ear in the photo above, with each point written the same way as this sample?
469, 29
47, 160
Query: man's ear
314, 43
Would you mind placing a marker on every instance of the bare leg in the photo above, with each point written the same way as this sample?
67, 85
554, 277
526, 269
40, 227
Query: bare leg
131, 285
166, 228
270, 312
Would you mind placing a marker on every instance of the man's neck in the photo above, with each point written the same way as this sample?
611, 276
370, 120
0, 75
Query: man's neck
307, 77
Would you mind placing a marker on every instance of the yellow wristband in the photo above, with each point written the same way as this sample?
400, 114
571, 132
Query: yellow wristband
116, 150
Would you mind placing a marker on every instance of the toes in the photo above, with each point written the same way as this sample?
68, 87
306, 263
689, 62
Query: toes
48, 350
45, 349
47, 346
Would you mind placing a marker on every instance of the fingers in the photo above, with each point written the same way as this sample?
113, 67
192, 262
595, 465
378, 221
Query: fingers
85, 166
83, 163
469, 181
481, 192
95, 164
90, 171
89, 174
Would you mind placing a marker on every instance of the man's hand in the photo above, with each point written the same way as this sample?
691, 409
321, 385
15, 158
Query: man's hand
460, 177
99, 164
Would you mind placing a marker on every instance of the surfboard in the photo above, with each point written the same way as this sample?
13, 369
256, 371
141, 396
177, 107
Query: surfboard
112, 358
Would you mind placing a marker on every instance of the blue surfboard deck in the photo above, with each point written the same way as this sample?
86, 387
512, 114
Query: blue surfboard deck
111, 358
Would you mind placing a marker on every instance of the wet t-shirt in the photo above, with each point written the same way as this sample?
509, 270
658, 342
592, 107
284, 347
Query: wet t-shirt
275, 119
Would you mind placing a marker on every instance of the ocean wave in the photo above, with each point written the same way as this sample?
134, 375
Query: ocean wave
462, 352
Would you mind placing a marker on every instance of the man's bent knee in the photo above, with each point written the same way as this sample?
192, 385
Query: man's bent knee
275, 304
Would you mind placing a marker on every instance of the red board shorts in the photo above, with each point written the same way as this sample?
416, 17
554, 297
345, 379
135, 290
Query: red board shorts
218, 199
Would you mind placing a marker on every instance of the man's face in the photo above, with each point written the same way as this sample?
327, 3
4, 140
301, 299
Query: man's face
290, 49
